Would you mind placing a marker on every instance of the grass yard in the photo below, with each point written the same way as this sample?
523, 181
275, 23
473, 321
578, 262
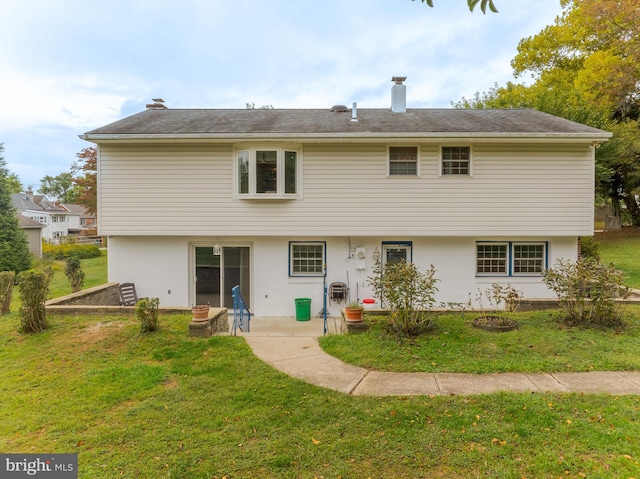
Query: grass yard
165, 405
622, 248
95, 270
540, 345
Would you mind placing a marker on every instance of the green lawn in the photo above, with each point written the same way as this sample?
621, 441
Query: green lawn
95, 270
541, 344
622, 248
165, 405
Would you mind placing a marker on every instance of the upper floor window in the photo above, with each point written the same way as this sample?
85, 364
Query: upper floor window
403, 160
58, 218
456, 160
267, 172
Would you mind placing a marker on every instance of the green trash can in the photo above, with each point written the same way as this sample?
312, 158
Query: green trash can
303, 309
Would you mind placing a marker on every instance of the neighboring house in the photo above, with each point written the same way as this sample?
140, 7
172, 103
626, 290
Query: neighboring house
33, 232
283, 202
51, 215
80, 221
58, 220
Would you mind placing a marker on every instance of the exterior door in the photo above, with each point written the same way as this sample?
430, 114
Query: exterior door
217, 274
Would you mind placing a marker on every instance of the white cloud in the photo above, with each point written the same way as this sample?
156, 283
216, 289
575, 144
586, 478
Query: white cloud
68, 67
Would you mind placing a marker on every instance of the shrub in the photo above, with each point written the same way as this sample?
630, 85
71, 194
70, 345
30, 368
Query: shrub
407, 293
147, 314
589, 247
34, 287
64, 251
7, 279
587, 290
74, 273
501, 300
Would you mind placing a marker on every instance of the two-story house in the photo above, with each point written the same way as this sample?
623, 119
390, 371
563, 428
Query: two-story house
53, 217
285, 201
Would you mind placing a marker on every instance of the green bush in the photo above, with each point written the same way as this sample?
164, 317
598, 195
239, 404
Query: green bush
34, 287
7, 279
407, 293
64, 251
74, 273
588, 290
589, 247
147, 314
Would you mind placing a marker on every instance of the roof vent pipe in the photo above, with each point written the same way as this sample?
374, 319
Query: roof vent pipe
354, 112
398, 95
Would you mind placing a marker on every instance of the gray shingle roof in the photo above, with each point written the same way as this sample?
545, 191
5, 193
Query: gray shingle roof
219, 123
28, 222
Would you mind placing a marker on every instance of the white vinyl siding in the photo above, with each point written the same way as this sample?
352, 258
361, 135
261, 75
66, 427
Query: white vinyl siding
188, 189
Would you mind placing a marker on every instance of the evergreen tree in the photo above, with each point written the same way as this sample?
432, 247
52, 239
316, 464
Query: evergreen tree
14, 249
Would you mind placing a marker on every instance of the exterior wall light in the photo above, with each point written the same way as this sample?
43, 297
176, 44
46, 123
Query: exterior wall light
376, 255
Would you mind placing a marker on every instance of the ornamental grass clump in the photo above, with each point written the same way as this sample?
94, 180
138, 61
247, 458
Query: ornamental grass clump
34, 287
7, 279
147, 314
408, 293
588, 291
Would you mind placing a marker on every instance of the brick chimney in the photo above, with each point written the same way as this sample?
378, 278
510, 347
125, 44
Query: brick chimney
398, 95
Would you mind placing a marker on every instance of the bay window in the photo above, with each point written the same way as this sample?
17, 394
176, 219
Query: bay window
267, 173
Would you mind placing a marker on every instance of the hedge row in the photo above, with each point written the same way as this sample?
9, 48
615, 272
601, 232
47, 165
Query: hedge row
63, 251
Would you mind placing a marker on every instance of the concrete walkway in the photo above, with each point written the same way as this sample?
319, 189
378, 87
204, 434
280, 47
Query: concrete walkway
292, 347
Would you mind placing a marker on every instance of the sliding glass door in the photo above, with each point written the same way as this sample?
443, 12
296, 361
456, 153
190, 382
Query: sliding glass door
217, 274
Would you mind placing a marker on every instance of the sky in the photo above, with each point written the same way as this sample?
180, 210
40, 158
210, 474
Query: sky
69, 66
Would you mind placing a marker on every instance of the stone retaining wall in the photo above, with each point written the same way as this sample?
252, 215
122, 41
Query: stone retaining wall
217, 322
106, 294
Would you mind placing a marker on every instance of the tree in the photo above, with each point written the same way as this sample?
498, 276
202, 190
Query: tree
14, 184
60, 188
14, 249
87, 183
472, 4
586, 68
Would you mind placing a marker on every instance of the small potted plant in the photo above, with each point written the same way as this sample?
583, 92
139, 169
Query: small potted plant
353, 312
200, 312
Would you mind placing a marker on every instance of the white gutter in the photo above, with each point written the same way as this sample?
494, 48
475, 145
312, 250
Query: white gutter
348, 137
